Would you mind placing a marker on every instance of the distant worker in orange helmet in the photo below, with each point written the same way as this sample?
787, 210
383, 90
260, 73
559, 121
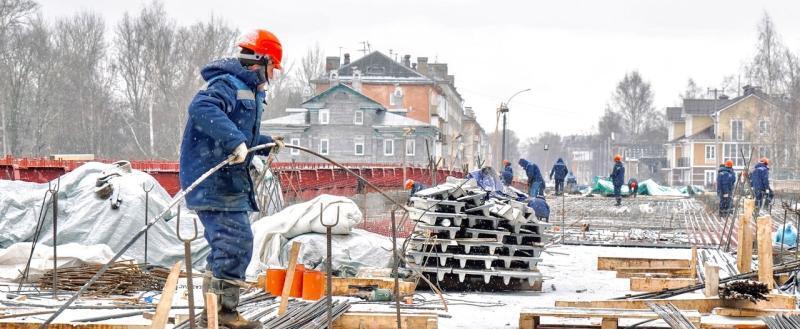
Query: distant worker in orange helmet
618, 178
726, 178
759, 180
413, 187
224, 120
508, 173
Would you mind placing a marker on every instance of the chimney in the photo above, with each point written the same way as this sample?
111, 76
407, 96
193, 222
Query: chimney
407, 60
439, 70
331, 63
346, 59
356, 79
724, 97
422, 65
748, 89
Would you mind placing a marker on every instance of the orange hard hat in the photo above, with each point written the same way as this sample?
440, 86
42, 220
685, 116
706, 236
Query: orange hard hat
729, 163
263, 42
506, 162
765, 161
409, 184
617, 157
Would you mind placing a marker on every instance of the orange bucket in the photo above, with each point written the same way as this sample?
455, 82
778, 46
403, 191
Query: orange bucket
313, 284
274, 282
297, 283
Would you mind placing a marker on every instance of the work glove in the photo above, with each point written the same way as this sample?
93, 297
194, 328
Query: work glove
724, 195
239, 154
768, 192
279, 144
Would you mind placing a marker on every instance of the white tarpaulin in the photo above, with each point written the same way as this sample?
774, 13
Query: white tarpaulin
348, 252
87, 219
272, 232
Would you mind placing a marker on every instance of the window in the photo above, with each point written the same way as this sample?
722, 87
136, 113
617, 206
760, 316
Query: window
295, 142
763, 127
710, 177
736, 153
396, 97
323, 146
388, 147
359, 146
737, 131
324, 116
411, 147
359, 118
763, 152
711, 153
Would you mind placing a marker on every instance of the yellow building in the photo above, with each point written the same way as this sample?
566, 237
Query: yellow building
707, 132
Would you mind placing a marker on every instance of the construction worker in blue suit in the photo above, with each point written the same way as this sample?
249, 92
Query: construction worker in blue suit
508, 173
559, 172
726, 178
535, 180
618, 178
224, 120
540, 208
759, 181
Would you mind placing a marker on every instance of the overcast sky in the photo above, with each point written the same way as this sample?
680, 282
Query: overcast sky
570, 53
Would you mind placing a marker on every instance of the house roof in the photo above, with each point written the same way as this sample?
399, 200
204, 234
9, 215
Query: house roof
297, 119
705, 106
380, 65
345, 88
707, 133
674, 114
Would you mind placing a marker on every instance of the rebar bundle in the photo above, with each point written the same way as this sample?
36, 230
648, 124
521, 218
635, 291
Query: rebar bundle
744, 289
121, 278
671, 315
782, 321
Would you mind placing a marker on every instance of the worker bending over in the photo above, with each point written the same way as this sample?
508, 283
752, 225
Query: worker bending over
535, 180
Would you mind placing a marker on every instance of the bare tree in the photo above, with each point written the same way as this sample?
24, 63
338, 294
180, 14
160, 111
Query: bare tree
633, 100
610, 123
692, 90
768, 67
312, 65
143, 46
14, 14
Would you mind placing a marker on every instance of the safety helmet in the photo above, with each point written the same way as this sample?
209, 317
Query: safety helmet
263, 42
409, 184
765, 161
729, 163
506, 162
617, 158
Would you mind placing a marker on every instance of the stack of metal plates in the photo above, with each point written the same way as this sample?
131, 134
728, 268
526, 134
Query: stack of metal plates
465, 235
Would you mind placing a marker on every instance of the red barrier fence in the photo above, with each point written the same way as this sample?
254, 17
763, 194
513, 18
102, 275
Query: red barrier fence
299, 179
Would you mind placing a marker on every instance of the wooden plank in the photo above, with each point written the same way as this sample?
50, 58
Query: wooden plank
607, 323
750, 312
287, 283
711, 272
386, 320
765, 251
165, 304
703, 305
211, 311
744, 247
613, 263
673, 272
531, 317
341, 285
725, 322
650, 284
693, 263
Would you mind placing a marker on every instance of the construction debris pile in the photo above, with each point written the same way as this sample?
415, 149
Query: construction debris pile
122, 278
744, 290
480, 237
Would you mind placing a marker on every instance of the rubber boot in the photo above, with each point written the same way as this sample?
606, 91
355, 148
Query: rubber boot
228, 300
619, 202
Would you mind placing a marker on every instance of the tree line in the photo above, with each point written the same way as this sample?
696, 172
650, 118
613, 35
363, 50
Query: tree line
69, 86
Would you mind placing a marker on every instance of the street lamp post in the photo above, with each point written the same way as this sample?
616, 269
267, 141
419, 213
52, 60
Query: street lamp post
504, 110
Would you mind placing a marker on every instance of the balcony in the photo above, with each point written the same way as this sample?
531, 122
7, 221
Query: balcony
682, 162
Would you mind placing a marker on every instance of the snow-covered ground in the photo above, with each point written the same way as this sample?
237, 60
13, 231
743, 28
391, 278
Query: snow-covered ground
574, 276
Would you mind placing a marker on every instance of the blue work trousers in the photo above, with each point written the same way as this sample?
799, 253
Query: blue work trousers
618, 193
536, 189
559, 186
231, 240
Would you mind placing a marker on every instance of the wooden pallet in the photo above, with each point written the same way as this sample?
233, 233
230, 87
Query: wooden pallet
530, 318
382, 320
613, 263
651, 284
